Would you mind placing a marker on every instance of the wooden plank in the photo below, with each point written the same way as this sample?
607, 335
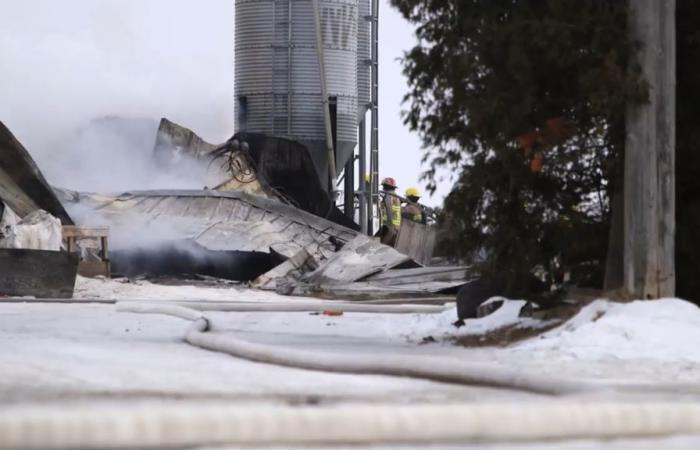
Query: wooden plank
85, 232
91, 269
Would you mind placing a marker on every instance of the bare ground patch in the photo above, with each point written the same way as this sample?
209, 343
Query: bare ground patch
502, 337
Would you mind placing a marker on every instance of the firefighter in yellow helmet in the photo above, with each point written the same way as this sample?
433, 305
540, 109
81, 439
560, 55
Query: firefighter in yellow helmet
390, 213
412, 211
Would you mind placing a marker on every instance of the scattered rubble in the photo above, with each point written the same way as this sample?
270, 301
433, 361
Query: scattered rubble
269, 223
270, 167
285, 170
240, 222
30, 228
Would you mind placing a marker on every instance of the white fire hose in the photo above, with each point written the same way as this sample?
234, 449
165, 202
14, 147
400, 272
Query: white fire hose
429, 368
423, 367
186, 425
297, 306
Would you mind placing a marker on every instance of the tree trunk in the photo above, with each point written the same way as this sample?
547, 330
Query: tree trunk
614, 277
649, 198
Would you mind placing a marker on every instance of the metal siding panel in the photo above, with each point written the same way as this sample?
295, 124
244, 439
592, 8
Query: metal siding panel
255, 215
179, 207
204, 208
239, 212
218, 212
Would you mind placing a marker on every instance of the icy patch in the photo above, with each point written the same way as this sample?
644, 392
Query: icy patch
665, 330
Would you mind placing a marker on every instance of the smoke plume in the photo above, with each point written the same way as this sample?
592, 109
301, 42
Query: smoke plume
116, 155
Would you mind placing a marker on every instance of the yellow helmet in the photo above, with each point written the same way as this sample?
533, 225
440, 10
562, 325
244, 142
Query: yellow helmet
412, 192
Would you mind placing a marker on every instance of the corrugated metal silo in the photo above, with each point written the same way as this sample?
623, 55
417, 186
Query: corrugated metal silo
277, 84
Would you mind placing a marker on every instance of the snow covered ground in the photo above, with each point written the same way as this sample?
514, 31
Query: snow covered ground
636, 342
89, 352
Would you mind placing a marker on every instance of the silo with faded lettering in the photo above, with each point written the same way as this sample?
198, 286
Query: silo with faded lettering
277, 76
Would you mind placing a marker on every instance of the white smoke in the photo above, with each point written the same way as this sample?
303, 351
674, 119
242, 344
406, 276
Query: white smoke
127, 231
116, 155
65, 65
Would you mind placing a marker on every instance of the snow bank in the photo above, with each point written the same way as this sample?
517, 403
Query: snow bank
665, 330
39, 230
441, 325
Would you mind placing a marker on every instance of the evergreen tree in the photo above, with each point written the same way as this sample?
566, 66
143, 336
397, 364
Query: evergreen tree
526, 100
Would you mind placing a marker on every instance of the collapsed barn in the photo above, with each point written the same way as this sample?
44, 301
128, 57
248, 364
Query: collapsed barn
268, 223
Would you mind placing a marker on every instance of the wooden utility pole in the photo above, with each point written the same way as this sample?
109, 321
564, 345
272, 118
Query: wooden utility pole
649, 198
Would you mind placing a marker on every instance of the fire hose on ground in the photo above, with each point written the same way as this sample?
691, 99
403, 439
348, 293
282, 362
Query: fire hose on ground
191, 426
185, 425
436, 369
439, 369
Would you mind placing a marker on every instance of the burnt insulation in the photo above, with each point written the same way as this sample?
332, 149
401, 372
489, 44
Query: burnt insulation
287, 167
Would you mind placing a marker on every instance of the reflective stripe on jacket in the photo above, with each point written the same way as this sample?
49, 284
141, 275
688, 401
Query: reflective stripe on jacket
413, 212
391, 211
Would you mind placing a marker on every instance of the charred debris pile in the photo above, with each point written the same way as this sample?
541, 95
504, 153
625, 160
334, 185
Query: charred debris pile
264, 219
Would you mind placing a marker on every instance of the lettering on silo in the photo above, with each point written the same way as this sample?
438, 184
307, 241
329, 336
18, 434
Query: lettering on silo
340, 23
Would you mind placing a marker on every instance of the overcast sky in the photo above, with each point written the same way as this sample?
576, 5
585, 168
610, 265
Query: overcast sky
63, 63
